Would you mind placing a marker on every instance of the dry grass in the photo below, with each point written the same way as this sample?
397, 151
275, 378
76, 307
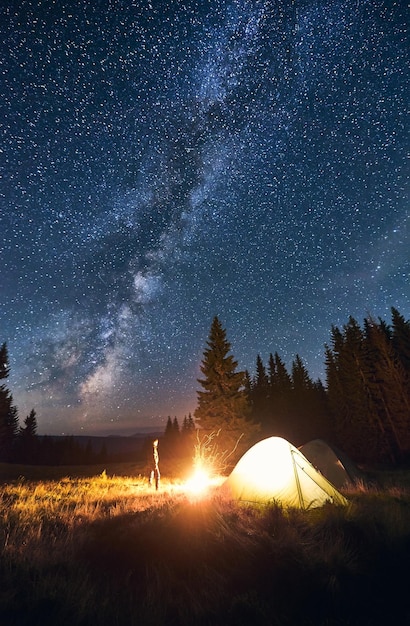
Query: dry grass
107, 550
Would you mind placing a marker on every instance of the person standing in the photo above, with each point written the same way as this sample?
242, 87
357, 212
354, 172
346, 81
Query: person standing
155, 475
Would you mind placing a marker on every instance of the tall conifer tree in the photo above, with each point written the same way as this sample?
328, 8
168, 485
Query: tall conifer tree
8, 412
309, 418
387, 388
401, 339
347, 392
260, 394
280, 397
368, 388
222, 402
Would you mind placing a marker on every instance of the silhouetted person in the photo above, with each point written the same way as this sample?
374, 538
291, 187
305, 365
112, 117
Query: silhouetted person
155, 475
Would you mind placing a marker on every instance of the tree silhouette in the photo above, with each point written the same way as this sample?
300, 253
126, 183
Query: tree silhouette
8, 412
28, 440
29, 431
368, 388
400, 336
222, 403
260, 394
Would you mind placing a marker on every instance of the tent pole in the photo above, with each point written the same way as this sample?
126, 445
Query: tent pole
301, 501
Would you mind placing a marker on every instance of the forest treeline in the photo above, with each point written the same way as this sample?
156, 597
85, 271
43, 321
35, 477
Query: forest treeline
363, 407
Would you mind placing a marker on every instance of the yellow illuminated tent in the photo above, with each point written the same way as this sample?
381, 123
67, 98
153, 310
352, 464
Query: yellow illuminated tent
274, 470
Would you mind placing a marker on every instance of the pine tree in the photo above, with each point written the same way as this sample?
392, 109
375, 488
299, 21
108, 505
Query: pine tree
280, 397
222, 399
191, 423
174, 438
188, 425
222, 404
27, 440
336, 396
309, 419
175, 427
302, 411
347, 391
187, 438
260, 394
401, 340
301, 380
282, 382
247, 387
261, 378
168, 428
387, 388
366, 388
29, 431
8, 412
271, 370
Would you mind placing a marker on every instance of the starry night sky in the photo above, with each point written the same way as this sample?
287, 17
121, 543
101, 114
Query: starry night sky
165, 162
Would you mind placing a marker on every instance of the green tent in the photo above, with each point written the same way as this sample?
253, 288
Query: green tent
332, 463
274, 470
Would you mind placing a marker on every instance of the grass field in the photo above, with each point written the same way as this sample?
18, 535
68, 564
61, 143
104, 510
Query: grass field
84, 546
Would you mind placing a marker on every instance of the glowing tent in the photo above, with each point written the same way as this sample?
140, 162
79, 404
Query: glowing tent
332, 463
273, 469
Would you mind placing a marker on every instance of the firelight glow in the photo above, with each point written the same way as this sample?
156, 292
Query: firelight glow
199, 482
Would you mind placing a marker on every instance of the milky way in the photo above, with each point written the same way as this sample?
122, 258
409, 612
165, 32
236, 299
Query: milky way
165, 162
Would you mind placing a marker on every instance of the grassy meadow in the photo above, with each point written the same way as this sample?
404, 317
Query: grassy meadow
84, 546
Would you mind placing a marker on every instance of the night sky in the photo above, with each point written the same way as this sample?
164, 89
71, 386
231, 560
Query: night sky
165, 162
